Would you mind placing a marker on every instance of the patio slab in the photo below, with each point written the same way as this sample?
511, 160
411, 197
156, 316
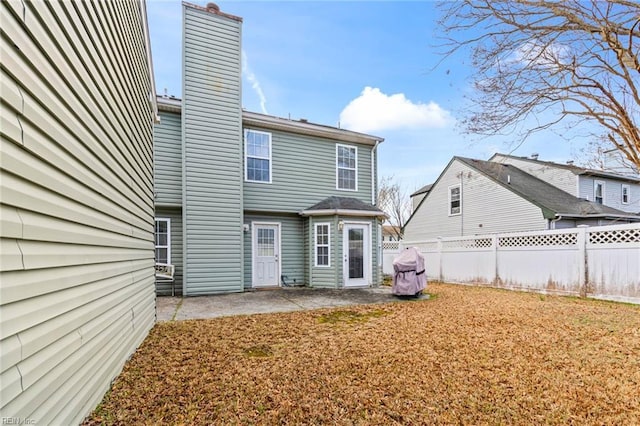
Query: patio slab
268, 301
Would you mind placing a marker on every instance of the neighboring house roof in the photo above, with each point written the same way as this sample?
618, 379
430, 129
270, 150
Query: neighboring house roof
344, 206
573, 168
391, 230
553, 201
422, 190
302, 126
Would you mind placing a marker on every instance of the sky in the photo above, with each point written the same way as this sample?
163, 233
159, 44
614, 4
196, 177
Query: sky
367, 66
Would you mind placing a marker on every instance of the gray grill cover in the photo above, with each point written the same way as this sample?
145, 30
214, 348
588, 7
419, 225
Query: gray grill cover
409, 276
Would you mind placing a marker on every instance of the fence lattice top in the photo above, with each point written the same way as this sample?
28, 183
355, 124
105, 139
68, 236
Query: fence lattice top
615, 236
569, 239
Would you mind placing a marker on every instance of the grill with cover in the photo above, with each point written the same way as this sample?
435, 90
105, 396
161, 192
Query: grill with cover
409, 278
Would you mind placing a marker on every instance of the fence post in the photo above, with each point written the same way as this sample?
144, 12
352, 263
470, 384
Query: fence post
439, 249
496, 275
583, 269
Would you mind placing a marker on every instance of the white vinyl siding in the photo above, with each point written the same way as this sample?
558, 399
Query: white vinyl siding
560, 177
487, 207
257, 156
163, 240
346, 167
76, 211
455, 200
323, 244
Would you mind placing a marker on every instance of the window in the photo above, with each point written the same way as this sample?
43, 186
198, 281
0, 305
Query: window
322, 244
257, 156
163, 241
598, 191
346, 170
626, 190
455, 205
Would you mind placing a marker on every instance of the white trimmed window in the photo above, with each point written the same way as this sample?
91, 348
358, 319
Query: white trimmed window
626, 191
163, 240
455, 200
257, 156
346, 167
323, 248
598, 191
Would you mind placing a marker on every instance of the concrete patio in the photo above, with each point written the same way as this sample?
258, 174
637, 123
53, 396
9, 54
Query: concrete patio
268, 301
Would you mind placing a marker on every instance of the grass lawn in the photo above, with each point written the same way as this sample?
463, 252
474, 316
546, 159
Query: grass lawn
468, 355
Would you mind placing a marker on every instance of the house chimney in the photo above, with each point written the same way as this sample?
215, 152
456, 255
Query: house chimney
534, 156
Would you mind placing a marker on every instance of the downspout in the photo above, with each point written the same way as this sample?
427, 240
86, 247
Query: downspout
552, 222
374, 183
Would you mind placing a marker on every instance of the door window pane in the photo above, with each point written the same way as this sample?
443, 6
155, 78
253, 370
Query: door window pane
266, 242
356, 253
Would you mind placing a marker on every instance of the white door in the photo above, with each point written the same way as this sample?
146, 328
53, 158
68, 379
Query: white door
357, 255
266, 255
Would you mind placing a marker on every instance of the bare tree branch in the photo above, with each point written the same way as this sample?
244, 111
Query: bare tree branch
542, 61
395, 202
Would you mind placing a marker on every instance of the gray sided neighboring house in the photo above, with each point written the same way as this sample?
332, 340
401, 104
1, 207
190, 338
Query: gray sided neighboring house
77, 210
238, 190
472, 197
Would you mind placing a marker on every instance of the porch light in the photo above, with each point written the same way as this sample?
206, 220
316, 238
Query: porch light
340, 224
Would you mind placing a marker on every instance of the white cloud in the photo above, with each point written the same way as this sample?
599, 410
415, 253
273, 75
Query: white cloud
535, 54
255, 84
374, 111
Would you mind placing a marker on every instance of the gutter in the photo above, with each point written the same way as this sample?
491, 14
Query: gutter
343, 212
596, 216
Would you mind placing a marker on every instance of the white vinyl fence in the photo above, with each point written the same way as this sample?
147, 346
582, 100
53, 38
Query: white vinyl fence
599, 262
390, 249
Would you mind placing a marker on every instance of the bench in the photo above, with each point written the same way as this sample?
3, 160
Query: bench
165, 274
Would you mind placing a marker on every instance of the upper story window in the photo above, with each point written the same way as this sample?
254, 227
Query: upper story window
322, 244
346, 167
455, 200
163, 240
257, 156
626, 191
598, 191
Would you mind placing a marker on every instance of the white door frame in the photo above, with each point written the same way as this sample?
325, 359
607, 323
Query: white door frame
366, 254
277, 253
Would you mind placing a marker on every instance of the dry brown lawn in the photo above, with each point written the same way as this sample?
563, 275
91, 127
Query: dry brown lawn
468, 355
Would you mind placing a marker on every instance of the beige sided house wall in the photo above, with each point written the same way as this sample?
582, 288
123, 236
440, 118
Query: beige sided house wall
556, 176
76, 206
484, 202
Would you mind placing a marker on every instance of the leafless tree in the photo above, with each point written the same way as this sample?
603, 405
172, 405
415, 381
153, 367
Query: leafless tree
394, 201
547, 62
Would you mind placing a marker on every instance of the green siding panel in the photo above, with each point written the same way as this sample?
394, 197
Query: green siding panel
292, 247
212, 179
76, 222
304, 173
167, 153
175, 214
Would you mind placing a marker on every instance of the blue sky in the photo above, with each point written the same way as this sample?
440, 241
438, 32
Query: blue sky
367, 66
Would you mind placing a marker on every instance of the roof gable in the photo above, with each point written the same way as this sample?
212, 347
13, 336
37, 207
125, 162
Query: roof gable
552, 200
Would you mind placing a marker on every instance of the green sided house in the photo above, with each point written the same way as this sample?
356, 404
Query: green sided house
246, 200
